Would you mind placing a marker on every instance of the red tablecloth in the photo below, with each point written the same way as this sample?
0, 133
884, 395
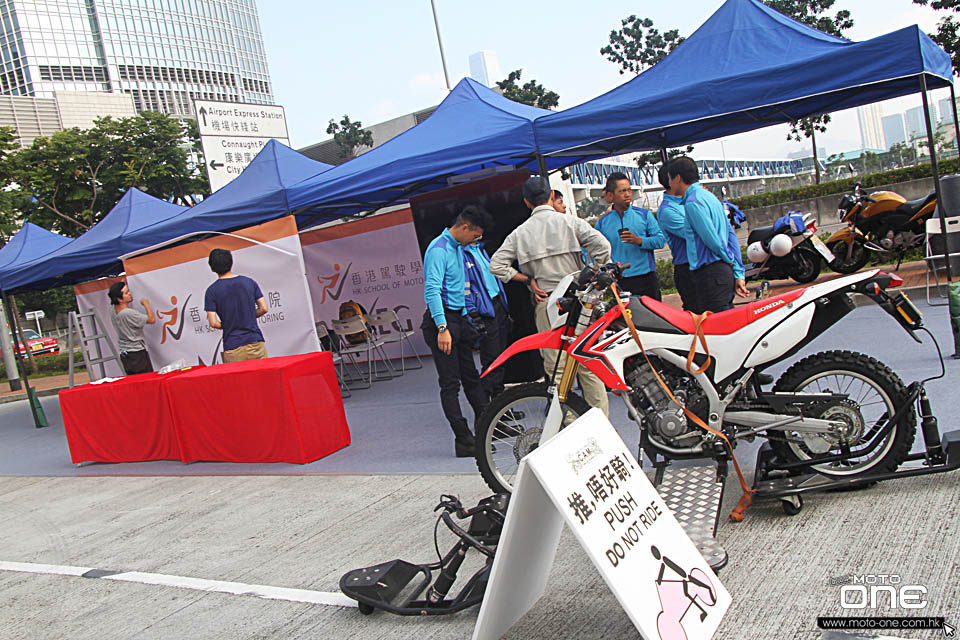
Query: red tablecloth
285, 409
123, 421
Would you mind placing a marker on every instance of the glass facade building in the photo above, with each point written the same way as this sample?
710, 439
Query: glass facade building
163, 53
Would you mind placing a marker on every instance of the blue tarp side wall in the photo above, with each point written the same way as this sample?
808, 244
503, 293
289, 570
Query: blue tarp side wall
95, 252
29, 243
473, 128
747, 67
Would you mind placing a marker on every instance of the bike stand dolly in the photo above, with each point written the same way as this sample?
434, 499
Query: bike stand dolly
788, 481
398, 586
693, 495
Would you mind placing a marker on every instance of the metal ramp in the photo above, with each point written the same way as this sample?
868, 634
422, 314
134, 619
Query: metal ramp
694, 495
76, 327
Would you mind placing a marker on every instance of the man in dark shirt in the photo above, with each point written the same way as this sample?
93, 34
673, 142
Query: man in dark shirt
233, 303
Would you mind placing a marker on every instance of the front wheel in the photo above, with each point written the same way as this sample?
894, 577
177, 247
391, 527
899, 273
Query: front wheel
873, 392
806, 265
510, 428
849, 259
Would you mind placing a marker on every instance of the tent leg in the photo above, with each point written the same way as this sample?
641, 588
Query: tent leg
936, 172
542, 165
39, 419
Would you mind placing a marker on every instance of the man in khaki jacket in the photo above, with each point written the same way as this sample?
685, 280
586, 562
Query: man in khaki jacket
548, 246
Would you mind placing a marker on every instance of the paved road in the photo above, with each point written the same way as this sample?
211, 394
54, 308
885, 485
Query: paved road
304, 531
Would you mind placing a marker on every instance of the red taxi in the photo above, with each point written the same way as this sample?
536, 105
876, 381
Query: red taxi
38, 344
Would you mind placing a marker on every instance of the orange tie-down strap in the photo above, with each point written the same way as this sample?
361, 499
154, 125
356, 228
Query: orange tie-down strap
746, 499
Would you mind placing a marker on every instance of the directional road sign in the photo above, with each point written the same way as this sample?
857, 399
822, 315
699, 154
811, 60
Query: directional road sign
232, 133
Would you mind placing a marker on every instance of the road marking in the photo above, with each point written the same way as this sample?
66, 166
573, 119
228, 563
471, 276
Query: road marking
182, 582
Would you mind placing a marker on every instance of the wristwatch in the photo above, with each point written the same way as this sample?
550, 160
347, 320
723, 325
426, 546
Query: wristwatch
441, 328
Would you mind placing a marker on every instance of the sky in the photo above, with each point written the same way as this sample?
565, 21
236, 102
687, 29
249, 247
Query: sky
379, 59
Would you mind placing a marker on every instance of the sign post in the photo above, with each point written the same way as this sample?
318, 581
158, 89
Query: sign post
586, 477
35, 316
232, 133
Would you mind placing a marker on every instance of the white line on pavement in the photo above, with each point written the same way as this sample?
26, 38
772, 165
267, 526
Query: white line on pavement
181, 582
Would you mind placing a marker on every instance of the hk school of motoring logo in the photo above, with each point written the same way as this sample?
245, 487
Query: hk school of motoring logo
173, 325
334, 281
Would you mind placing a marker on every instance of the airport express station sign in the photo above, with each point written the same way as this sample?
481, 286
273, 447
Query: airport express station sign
233, 133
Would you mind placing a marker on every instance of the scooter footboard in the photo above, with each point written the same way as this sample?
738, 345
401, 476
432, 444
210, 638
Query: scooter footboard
388, 586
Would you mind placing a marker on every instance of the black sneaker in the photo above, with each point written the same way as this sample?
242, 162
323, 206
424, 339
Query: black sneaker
764, 378
463, 451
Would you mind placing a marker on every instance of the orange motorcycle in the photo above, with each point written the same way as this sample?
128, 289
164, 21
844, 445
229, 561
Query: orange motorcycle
884, 221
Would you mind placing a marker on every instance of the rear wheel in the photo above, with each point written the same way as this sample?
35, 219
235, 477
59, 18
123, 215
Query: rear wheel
806, 265
873, 392
510, 428
849, 259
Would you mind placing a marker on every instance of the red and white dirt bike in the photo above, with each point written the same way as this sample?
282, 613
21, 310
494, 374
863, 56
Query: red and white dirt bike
839, 414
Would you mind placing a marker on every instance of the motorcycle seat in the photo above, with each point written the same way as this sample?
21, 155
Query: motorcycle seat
725, 322
761, 234
911, 207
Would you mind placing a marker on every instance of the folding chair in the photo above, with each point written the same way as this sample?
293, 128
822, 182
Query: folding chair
397, 334
371, 346
323, 332
933, 256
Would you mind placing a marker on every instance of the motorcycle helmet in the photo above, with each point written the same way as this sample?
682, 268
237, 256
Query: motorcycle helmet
781, 245
756, 254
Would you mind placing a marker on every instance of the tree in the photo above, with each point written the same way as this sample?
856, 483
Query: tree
69, 181
592, 207
904, 153
9, 198
531, 93
52, 301
637, 45
948, 29
653, 157
349, 136
815, 14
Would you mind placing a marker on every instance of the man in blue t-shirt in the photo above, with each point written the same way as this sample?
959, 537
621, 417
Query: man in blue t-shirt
634, 235
233, 303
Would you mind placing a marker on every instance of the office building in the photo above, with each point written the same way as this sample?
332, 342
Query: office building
894, 129
914, 122
162, 53
871, 131
946, 110
484, 68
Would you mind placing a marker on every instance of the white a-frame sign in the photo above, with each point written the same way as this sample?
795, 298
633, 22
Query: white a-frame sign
586, 477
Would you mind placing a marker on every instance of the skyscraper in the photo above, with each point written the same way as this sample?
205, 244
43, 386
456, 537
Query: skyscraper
871, 132
946, 110
894, 129
484, 67
163, 53
914, 121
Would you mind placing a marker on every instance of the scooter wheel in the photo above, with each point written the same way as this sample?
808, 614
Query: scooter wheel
365, 608
790, 508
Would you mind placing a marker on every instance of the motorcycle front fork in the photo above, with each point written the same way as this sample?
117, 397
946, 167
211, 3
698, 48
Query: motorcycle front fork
571, 365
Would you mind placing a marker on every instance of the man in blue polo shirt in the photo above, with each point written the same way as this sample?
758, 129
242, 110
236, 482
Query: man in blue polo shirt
445, 327
634, 235
716, 265
673, 223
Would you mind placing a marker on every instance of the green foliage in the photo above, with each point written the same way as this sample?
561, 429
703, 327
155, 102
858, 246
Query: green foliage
842, 186
948, 29
69, 181
637, 45
814, 13
349, 136
590, 207
48, 365
51, 301
653, 157
531, 93
665, 276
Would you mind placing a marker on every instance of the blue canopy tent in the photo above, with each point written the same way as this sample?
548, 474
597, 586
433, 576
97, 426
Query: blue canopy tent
94, 254
746, 67
30, 243
474, 128
258, 194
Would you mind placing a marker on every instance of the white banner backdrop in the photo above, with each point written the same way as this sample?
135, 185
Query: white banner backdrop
92, 296
376, 262
175, 280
